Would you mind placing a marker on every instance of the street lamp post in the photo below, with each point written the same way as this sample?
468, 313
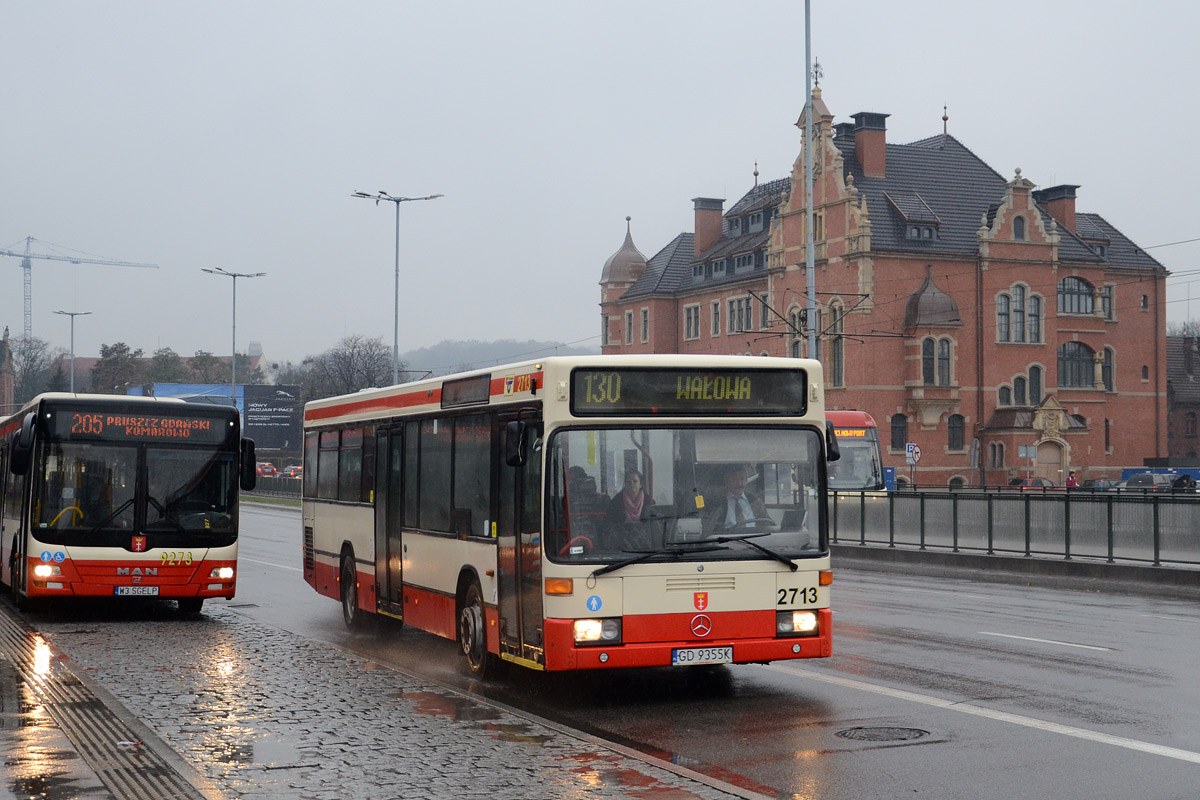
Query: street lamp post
382, 195
233, 355
73, 315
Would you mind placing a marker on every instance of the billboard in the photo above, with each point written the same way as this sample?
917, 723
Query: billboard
271, 415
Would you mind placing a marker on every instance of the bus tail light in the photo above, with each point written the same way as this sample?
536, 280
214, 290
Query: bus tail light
826, 576
597, 631
796, 623
560, 586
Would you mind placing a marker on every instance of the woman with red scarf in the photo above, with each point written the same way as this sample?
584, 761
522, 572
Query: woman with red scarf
629, 504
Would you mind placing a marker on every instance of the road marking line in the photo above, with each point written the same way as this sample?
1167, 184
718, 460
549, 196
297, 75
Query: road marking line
1045, 641
999, 716
269, 564
1172, 619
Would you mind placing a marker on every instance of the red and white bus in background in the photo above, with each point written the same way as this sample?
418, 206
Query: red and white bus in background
113, 496
491, 507
860, 468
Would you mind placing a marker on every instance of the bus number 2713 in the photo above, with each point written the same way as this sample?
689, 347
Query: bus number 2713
795, 595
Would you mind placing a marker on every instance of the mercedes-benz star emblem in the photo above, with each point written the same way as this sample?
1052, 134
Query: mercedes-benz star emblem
701, 625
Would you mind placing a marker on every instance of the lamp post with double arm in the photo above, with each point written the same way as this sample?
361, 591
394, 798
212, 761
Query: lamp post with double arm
73, 315
382, 195
233, 355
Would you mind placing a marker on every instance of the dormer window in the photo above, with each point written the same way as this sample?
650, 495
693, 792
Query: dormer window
735, 226
1100, 250
697, 273
755, 223
718, 268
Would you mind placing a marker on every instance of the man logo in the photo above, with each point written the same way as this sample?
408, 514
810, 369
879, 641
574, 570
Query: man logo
700, 600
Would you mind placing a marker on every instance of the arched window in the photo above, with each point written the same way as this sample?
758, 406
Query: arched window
943, 362
1034, 319
1018, 314
1106, 370
899, 431
1076, 366
1035, 386
1019, 391
955, 427
1019, 228
837, 367
797, 348
957, 483
1075, 296
996, 455
1003, 310
1004, 396
927, 362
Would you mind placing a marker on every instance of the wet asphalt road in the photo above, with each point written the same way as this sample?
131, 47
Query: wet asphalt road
937, 689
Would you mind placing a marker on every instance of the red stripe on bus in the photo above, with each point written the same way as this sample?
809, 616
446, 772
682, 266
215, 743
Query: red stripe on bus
400, 401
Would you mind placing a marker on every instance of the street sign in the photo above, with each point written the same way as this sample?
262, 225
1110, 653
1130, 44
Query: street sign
912, 454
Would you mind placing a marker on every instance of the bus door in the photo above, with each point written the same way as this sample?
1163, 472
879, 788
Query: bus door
518, 528
389, 556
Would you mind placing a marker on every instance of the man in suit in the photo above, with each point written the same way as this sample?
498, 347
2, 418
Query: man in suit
736, 510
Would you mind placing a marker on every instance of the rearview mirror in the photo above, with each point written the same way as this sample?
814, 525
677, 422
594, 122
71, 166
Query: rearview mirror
515, 450
249, 471
832, 451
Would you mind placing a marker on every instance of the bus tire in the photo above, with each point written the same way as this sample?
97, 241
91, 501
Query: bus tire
190, 605
351, 614
472, 633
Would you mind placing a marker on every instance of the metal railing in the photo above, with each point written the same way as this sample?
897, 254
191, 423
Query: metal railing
1150, 528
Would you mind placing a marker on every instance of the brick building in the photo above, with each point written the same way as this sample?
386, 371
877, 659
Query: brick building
968, 313
1183, 400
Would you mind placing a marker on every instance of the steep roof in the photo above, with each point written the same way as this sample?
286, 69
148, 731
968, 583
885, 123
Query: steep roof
1183, 386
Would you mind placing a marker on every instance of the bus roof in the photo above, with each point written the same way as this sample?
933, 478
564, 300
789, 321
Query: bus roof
507, 380
844, 418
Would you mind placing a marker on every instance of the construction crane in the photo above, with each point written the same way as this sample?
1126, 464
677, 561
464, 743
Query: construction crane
26, 267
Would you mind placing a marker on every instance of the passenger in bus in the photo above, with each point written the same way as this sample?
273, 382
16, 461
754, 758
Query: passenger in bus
735, 509
626, 517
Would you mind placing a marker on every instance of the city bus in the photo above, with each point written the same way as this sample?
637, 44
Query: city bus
114, 496
860, 468
489, 507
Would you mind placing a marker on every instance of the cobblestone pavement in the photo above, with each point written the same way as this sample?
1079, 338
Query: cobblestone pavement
264, 713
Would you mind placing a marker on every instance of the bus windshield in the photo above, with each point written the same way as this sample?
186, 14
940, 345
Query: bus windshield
88, 493
858, 469
619, 492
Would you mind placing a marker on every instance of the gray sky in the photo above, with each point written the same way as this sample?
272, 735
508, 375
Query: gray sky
199, 134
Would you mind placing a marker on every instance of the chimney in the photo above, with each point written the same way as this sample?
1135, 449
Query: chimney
709, 212
843, 130
870, 142
1060, 203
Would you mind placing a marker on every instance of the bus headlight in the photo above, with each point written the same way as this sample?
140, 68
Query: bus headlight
597, 631
796, 623
45, 571
224, 573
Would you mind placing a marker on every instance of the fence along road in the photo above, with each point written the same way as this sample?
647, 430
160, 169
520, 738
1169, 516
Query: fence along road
1115, 527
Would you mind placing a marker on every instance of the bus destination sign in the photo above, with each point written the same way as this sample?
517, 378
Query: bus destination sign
129, 427
634, 391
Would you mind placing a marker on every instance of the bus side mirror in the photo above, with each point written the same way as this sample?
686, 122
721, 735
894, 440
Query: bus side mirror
249, 473
515, 454
832, 452
22, 446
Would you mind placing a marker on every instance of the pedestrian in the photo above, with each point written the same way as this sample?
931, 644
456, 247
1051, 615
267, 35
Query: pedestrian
1071, 483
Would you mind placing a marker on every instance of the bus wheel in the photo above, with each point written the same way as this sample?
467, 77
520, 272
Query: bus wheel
472, 635
351, 613
190, 605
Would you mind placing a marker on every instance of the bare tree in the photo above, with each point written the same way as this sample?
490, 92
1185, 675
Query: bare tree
33, 360
1190, 327
357, 362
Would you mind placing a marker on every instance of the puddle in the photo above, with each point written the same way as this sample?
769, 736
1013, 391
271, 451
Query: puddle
458, 709
517, 733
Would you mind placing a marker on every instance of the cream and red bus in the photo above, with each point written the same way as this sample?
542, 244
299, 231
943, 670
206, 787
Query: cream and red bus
487, 507
114, 496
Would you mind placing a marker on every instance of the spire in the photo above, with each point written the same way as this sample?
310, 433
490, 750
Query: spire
945, 120
625, 265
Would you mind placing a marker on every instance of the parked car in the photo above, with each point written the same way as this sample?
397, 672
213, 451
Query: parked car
1098, 485
1031, 484
1150, 482
266, 469
292, 472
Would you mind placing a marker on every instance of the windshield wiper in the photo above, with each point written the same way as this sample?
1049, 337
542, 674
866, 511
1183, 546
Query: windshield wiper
111, 516
164, 516
746, 537
677, 549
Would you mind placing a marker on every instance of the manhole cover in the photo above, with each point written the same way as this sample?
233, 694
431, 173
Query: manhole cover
882, 734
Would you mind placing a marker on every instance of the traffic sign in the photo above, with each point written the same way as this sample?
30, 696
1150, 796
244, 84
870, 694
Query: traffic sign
912, 454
